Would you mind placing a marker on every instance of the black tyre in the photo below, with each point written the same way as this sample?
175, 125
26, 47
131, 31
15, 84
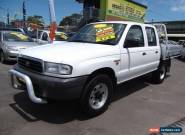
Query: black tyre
159, 75
2, 57
182, 57
97, 95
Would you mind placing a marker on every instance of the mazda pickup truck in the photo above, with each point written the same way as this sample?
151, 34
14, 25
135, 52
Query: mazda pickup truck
90, 65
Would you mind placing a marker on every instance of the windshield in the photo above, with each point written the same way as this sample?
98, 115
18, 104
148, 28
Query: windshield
16, 37
101, 33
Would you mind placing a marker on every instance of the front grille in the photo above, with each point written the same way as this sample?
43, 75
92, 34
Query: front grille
30, 64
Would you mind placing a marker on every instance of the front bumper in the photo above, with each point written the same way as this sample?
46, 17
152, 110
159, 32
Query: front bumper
41, 87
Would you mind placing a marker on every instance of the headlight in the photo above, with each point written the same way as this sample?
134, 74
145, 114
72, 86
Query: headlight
56, 68
12, 49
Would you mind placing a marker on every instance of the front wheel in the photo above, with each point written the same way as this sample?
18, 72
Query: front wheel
97, 96
2, 57
159, 75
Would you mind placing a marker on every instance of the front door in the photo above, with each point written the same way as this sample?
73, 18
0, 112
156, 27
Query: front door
135, 45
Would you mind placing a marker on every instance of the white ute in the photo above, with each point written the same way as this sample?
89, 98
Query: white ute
90, 65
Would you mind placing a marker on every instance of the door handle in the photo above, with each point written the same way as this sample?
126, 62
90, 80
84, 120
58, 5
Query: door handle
144, 53
156, 51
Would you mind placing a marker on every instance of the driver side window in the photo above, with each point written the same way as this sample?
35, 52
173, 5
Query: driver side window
134, 37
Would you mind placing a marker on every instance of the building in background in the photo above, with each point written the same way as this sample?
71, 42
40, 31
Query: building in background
17, 23
113, 10
2, 24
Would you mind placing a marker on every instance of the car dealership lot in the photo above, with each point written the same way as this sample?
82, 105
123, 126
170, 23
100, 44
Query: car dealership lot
138, 105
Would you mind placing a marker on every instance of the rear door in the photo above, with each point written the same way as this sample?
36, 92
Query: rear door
153, 49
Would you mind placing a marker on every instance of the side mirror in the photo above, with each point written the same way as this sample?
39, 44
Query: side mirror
130, 43
127, 43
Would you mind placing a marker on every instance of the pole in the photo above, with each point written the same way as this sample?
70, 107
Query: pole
8, 18
24, 13
53, 26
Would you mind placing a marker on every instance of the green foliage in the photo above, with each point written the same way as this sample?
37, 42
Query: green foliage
36, 19
71, 20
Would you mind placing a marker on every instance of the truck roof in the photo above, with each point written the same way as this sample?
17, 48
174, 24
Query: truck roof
125, 22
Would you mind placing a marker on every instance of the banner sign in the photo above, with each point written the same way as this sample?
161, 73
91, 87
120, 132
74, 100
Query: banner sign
104, 32
125, 10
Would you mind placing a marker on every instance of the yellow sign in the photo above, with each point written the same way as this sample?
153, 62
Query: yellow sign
125, 10
100, 26
63, 35
104, 32
19, 35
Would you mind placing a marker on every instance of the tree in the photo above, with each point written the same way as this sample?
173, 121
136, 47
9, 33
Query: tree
71, 20
36, 19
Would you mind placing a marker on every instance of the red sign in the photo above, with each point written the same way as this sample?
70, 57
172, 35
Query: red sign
53, 28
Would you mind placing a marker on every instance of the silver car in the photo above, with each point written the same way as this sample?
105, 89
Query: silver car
183, 51
43, 37
174, 48
11, 43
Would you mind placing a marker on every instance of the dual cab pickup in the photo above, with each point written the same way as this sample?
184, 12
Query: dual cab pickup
90, 65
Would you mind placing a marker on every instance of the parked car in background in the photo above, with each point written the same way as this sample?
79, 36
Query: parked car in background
174, 48
11, 43
183, 50
70, 34
172, 42
181, 42
43, 37
13, 29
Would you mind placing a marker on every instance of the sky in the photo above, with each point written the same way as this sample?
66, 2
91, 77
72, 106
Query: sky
40, 7
164, 10
158, 10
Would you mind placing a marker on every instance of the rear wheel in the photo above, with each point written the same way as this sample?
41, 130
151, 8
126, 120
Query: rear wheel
182, 57
2, 57
160, 74
97, 96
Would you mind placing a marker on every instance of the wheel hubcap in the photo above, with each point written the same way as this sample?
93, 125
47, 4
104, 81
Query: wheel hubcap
162, 73
98, 96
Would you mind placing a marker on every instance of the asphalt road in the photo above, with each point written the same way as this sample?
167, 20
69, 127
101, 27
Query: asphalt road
138, 105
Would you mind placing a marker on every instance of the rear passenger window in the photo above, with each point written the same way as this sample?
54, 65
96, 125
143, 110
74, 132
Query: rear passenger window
134, 37
151, 36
